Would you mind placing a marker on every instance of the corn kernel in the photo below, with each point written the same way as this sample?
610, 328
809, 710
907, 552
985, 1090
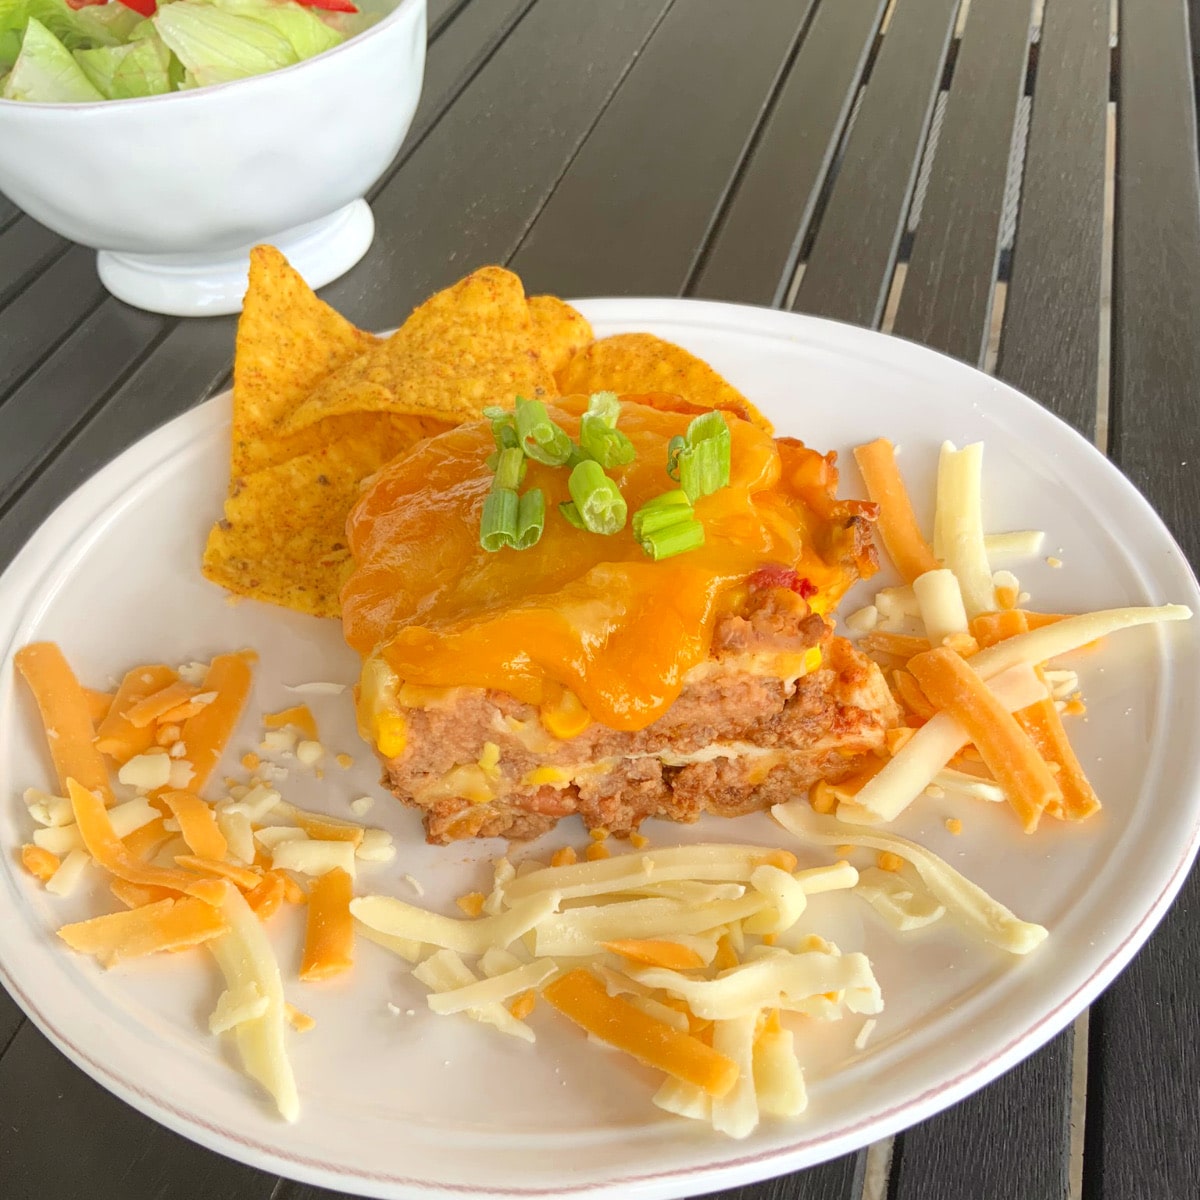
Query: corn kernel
821, 797
889, 861
595, 852
639, 841
391, 734
522, 1005
471, 903
954, 825
599, 834
250, 761
564, 857
567, 718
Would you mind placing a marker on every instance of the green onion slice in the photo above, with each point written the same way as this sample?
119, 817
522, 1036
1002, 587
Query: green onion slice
675, 448
600, 504
531, 518
700, 460
608, 446
571, 514
504, 427
661, 512
510, 470
498, 526
604, 407
539, 436
674, 539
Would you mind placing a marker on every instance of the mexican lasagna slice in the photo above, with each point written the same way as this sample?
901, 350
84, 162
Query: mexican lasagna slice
505, 690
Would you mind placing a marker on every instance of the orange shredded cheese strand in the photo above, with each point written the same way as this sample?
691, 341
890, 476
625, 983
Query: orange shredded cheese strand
242, 878
135, 895
99, 704
898, 645
65, 717
582, 998
110, 852
206, 733
250, 761
166, 925
521, 1006
726, 956
655, 953
1045, 730
300, 715
910, 695
267, 897
156, 705
329, 934
1006, 750
327, 829
167, 735
993, 627
197, 824
471, 903
141, 843
293, 893
181, 712
301, 1022
897, 524
115, 735
39, 862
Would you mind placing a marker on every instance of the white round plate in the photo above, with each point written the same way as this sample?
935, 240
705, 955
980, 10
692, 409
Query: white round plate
399, 1103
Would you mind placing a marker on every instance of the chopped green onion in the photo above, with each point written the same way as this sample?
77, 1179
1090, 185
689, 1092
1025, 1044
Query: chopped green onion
510, 470
571, 514
605, 407
661, 512
576, 456
675, 447
504, 427
498, 527
608, 446
539, 436
531, 519
601, 506
700, 460
674, 539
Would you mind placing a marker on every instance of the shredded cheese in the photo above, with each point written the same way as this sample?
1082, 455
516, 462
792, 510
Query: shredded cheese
958, 524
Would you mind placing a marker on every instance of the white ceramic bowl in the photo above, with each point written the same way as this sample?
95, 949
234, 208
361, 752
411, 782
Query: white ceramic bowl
174, 190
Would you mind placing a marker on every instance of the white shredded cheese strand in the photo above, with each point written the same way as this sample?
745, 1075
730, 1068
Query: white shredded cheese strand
239, 835
1041, 645
779, 980
901, 903
885, 796
684, 1099
246, 960
940, 599
473, 936
786, 901
969, 902
495, 962
963, 784
444, 971
958, 524
312, 857
864, 1034
699, 863
235, 1006
778, 1079
69, 874
406, 948
1020, 543
493, 990
316, 689
736, 1113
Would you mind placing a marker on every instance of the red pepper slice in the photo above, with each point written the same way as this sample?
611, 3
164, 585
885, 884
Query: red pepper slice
146, 8
78, 4
344, 6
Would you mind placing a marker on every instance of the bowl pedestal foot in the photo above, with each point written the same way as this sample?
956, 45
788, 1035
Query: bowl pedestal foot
210, 285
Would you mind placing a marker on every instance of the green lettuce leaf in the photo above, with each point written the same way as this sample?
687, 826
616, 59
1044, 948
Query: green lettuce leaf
96, 25
122, 72
308, 33
46, 72
216, 46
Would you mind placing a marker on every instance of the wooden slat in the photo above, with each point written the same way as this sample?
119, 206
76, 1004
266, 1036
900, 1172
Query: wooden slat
45, 312
754, 251
947, 296
25, 249
849, 267
1050, 342
473, 188
841, 1179
8, 210
63, 1136
90, 363
1144, 1076
10, 1019
631, 213
1007, 1142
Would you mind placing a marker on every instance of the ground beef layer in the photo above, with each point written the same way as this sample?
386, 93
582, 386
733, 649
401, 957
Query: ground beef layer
738, 738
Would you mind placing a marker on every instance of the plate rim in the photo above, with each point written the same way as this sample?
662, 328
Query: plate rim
762, 1164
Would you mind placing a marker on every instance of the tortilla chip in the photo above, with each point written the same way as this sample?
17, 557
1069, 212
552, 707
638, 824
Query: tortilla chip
559, 331
283, 537
287, 341
469, 346
632, 363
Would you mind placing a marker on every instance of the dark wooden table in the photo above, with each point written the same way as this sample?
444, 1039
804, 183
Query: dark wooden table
856, 159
